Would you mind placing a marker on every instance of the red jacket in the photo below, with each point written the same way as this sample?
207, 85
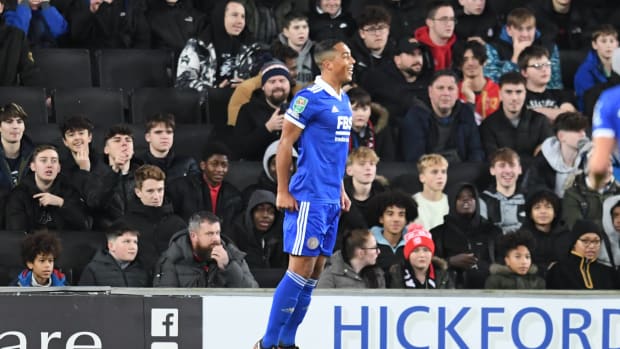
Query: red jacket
441, 54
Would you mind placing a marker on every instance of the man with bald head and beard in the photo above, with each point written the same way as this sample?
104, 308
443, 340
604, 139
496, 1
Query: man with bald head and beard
260, 120
201, 257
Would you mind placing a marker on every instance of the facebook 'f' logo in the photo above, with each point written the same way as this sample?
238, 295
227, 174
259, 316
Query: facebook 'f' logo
164, 322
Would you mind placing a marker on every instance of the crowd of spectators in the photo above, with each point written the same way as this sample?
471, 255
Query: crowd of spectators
437, 84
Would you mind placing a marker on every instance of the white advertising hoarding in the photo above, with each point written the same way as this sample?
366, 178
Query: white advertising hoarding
412, 322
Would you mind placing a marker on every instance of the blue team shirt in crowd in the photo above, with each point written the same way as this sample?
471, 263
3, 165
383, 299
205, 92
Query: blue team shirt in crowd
325, 118
606, 117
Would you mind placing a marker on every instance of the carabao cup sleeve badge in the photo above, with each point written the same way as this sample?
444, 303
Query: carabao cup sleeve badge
299, 105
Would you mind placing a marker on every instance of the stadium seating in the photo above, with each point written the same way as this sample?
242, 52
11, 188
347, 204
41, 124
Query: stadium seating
31, 99
62, 68
104, 107
134, 68
183, 103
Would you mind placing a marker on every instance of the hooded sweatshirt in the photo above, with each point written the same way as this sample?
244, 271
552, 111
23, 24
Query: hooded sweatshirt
306, 68
442, 54
467, 234
612, 234
264, 249
575, 271
551, 151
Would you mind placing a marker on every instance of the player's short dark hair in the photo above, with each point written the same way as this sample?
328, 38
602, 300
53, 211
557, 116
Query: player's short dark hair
529, 53
215, 148
570, 121
76, 123
12, 110
118, 129
160, 118
42, 242
512, 78
373, 15
323, 49
359, 96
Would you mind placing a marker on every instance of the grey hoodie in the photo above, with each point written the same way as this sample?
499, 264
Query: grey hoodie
614, 236
551, 151
271, 151
304, 61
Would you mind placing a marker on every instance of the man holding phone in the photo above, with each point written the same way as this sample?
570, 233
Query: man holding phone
260, 120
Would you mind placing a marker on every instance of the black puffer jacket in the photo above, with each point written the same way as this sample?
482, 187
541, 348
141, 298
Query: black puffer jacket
156, 226
173, 165
178, 267
23, 212
191, 194
103, 270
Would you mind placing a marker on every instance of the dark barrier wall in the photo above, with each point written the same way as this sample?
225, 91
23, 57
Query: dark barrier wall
87, 321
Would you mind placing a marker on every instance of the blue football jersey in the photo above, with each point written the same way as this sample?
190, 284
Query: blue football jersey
325, 118
606, 116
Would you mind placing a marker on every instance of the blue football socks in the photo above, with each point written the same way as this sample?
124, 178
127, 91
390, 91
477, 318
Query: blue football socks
285, 299
289, 331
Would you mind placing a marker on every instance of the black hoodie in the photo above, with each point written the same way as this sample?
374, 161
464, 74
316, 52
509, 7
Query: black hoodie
463, 234
575, 272
263, 249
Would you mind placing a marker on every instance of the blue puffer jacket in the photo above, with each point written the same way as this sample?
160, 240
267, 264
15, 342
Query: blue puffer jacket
589, 73
25, 278
43, 27
499, 55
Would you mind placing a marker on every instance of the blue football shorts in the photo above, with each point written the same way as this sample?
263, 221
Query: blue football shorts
312, 230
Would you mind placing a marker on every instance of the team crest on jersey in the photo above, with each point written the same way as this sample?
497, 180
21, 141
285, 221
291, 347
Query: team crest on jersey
312, 243
300, 104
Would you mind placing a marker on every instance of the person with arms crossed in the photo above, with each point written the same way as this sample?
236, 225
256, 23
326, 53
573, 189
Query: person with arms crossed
319, 120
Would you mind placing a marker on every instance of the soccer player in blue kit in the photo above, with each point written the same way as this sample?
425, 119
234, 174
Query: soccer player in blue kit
319, 120
605, 133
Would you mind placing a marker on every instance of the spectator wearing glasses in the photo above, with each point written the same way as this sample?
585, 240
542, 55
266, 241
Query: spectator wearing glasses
535, 66
580, 268
355, 265
370, 45
438, 33
519, 33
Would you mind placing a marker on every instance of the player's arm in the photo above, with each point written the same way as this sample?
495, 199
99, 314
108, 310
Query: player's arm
290, 135
602, 148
